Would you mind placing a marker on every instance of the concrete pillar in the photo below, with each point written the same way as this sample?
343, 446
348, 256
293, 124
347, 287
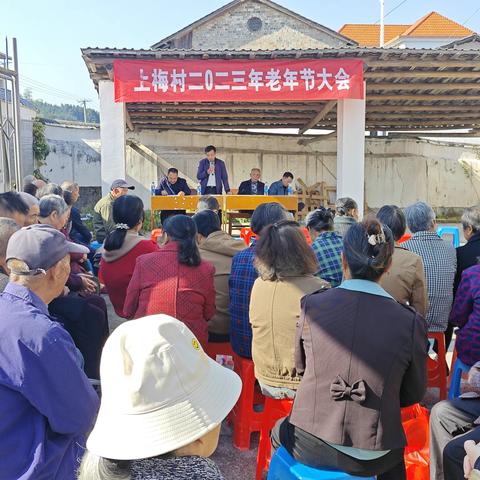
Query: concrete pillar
351, 150
112, 135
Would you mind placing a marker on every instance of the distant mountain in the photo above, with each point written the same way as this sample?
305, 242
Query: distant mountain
64, 111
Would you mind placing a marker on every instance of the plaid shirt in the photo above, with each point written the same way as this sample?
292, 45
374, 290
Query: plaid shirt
440, 262
328, 248
241, 282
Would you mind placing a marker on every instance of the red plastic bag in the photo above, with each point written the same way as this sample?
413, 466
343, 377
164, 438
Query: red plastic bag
415, 422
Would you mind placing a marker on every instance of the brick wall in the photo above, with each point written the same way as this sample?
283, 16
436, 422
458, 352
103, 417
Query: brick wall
278, 31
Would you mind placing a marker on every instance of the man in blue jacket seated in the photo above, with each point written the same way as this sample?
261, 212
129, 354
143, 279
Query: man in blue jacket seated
48, 404
281, 187
172, 184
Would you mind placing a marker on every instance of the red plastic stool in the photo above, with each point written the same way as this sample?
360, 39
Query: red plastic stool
437, 370
273, 410
307, 235
157, 232
246, 235
245, 420
214, 349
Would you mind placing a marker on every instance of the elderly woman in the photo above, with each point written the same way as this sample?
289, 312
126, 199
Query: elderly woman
405, 280
439, 260
363, 357
468, 254
346, 215
327, 245
286, 265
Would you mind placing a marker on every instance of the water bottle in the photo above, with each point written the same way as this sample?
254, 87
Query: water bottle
265, 189
199, 189
152, 188
290, 190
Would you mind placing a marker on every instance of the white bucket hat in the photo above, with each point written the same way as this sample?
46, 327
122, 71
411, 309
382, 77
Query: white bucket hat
160, 391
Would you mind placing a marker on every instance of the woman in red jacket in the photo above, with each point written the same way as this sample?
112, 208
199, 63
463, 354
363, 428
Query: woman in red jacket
174, 280
122, 248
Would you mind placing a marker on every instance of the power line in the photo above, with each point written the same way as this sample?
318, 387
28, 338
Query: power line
392, 10
471, 16
46, 86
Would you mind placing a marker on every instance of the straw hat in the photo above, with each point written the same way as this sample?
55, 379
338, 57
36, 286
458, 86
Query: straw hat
160, 391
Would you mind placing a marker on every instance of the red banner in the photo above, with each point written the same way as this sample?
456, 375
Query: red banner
237, 80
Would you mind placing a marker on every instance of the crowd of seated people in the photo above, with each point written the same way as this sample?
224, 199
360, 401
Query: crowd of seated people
339, 326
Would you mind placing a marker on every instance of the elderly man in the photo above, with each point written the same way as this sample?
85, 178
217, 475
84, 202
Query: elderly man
102, 212
7, 228
12, 206
253, 186
439, 260
33, 208
47, 402
79, 232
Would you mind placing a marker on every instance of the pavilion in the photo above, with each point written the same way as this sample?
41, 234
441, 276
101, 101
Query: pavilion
406, 90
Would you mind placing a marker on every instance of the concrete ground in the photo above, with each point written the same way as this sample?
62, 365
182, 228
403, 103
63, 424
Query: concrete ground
236, 464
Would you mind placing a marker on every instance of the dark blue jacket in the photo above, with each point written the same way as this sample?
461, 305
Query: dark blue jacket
245, 188
79, 232
277, 188
173, 188
221, 175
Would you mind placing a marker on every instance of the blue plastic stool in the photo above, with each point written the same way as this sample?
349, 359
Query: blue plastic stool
454, 231
284, 467
95, 245
458, 369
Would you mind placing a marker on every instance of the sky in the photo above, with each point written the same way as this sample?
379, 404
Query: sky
50, 33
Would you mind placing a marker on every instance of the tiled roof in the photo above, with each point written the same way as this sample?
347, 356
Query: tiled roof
368, 35
436, 25
431, 25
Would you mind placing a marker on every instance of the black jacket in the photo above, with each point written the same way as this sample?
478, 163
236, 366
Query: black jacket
245, 188
467, 256
79, 232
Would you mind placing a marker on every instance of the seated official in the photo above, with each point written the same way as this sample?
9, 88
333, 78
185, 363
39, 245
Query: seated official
218, 248
47, 403
172, 184
286, 266
163, 402
363, 356
253, 186
282, 186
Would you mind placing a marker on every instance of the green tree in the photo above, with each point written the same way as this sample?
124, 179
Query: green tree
40, 145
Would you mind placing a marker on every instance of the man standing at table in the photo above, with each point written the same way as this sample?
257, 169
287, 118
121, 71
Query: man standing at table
253, 186
212, 173
172, 184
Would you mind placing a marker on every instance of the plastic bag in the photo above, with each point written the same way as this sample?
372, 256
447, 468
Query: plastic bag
415, 421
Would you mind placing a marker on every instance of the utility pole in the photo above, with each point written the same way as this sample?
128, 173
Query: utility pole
382, 24
84, 102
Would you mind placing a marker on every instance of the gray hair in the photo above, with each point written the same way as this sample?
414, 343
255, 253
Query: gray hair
471, 218
28, 179
30, 200
69, 186
94, 467
7, 228
420, 217
52, 203
207, 202
49, 189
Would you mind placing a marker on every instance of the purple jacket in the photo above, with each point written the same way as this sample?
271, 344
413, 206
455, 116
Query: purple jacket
466, 315
221, 175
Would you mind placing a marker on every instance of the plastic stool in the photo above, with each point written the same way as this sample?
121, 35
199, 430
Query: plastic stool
437, 370
95, 245
273, 410
284, 467
458, 368
454, 231
307, 235
405, 237
245, 420
246, 235
157, 232
223, 348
